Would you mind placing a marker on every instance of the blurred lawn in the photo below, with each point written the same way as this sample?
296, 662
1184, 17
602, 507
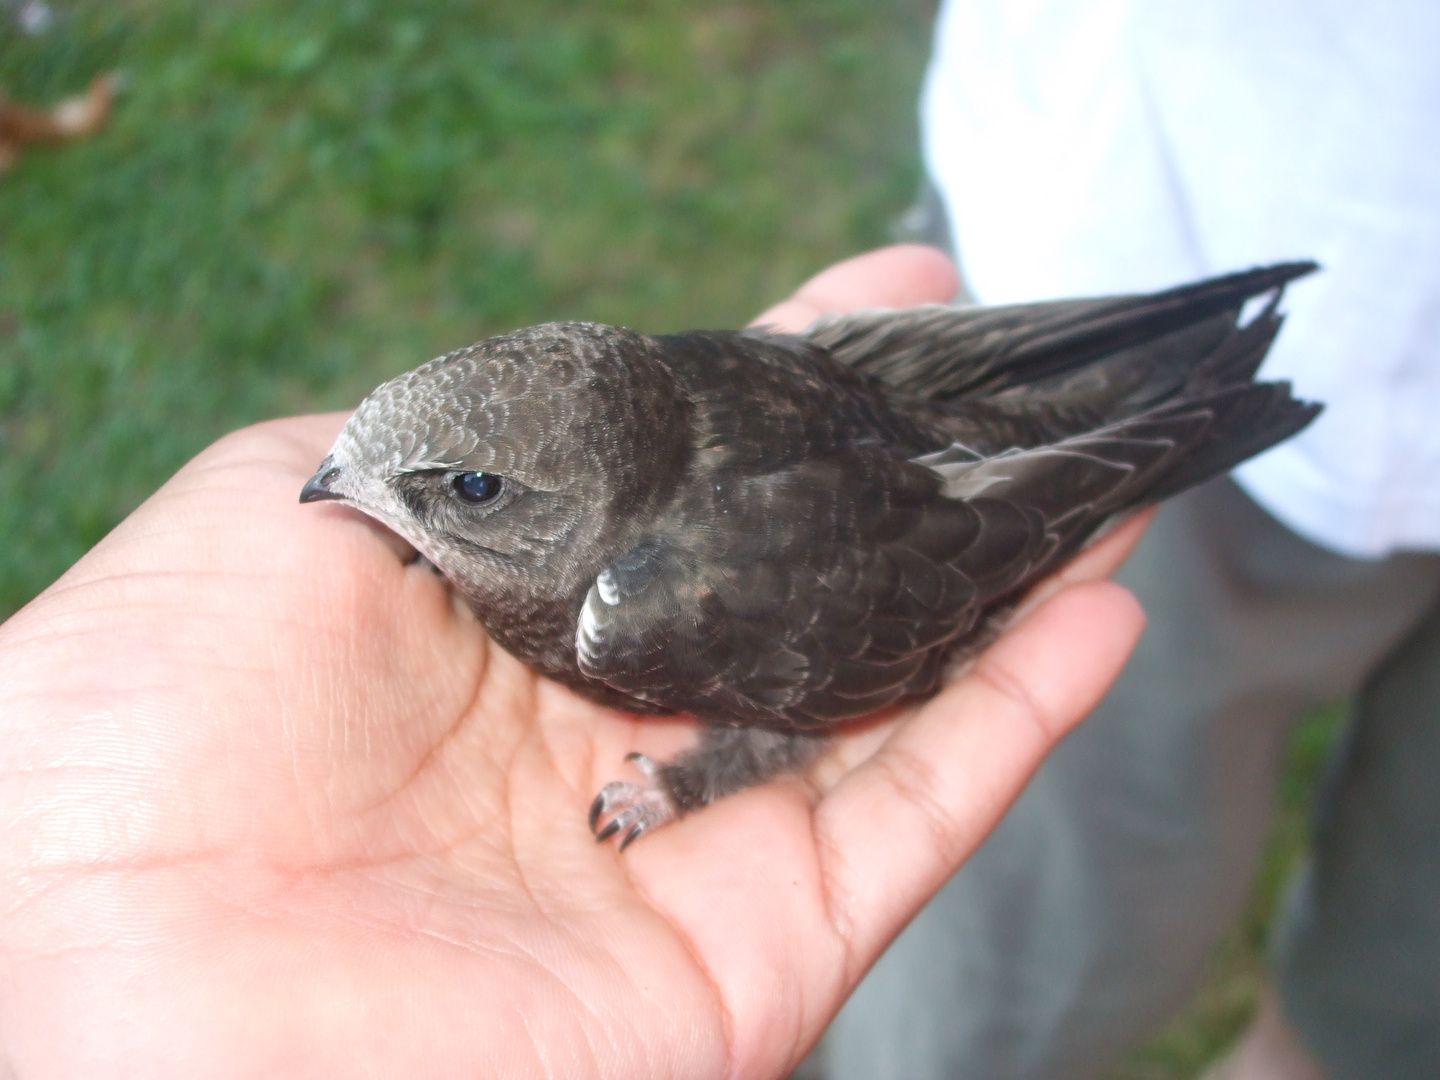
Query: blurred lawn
296, 200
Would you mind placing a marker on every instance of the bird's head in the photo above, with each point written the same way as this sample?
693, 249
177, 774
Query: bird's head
520, 465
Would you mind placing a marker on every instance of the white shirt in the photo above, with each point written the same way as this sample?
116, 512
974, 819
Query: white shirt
1098, 146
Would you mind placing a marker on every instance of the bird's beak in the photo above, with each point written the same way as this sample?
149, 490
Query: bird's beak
317, 488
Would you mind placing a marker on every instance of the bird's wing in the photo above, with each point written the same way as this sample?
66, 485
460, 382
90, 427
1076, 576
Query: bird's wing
812, 594
832, 589
1077, 484
936, 351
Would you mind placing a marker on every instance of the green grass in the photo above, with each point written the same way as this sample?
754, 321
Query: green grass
297, 200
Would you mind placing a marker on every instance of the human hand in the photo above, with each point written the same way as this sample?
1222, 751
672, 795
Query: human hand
274, 805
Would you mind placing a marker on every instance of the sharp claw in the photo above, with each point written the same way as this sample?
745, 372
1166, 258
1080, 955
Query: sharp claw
633, 810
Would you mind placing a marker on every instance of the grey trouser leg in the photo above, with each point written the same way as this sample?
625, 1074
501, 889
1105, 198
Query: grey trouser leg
1087, 917
1358, 948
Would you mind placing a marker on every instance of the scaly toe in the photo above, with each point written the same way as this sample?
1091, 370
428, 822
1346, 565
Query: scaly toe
634, 809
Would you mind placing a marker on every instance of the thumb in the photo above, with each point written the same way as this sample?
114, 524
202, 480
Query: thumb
898, 276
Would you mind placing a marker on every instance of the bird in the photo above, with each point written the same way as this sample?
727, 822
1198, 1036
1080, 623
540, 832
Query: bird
782, 533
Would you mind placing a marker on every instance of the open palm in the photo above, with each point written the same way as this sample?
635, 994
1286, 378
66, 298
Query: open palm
274, 805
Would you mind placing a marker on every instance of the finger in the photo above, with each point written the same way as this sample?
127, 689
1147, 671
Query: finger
898, 276
892, 831
295, 444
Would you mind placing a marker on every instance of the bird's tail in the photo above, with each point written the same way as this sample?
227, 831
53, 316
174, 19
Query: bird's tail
1072, 489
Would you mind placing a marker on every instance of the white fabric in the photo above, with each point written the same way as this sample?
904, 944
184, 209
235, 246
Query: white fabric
1096, 146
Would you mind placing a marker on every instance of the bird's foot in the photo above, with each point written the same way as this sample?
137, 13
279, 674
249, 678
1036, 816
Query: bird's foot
633, 809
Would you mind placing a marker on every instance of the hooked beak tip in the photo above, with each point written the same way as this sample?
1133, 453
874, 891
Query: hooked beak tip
317, 488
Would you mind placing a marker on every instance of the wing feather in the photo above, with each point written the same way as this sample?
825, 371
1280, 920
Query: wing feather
936, 351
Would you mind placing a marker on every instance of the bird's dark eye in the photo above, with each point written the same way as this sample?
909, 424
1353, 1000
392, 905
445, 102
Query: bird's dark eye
477, 487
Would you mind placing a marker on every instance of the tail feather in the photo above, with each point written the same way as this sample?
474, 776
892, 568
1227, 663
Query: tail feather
1078, 485
1239, 357
1248, 419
